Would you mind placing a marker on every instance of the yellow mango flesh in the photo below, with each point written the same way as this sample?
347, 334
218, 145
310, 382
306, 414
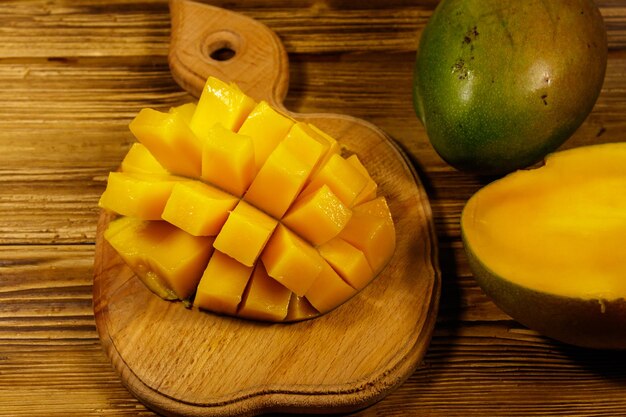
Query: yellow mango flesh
170, 140
278, 182
185, 111
198, 208
371, 230
228, 160
265, 298
140, 160
341, 177
167, 259
291, 261
222, 284
557, 229
318, 217
267, 128
274, 199
349, 262
137, 195
329, 290
369, 191
220, 103
245, 233
308, 145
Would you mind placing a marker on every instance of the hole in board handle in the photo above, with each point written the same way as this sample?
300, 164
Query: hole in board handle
223, 53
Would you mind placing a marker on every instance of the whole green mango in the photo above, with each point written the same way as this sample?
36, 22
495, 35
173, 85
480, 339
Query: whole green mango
498, 84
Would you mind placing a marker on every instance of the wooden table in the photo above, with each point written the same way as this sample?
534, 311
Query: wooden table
73, 74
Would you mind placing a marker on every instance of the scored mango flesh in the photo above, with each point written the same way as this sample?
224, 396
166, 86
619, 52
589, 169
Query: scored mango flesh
242, 210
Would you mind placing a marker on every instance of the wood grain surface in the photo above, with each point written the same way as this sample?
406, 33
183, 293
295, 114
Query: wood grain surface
73, 74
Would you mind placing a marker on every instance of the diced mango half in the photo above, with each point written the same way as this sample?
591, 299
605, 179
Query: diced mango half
222, 284
251, 213
170, 140
198, 208
168, 260
138, 195
220, 103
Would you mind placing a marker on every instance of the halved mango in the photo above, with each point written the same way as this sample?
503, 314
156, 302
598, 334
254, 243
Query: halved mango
268, 221
547, 245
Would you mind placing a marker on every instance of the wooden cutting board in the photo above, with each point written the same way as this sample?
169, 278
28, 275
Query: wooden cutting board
181, 361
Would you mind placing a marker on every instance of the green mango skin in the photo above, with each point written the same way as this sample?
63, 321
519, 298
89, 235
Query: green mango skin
499, 84
580, 322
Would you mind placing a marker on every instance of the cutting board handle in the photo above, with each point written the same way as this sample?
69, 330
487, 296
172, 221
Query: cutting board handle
207, 40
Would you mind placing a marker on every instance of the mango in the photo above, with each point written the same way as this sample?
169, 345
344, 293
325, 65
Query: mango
498, 84
167, 259
547, 245
240, 210
138, 195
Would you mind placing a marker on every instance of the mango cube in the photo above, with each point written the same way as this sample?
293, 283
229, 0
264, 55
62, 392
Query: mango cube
170, 140
168, 260
349, 262
137, 195
220, 103
245, 233
185, 111
139, 159
257, 214
278, 182
307, 145
318, 217
198, 208
300, 309
228, 160
222, 284
328, 290
265, 298
369, 191
267, 128
372, 231
341, 177
291, 261
333, 145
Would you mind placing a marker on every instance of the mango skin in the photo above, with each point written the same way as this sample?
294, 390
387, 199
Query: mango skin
586, 323
498, 84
